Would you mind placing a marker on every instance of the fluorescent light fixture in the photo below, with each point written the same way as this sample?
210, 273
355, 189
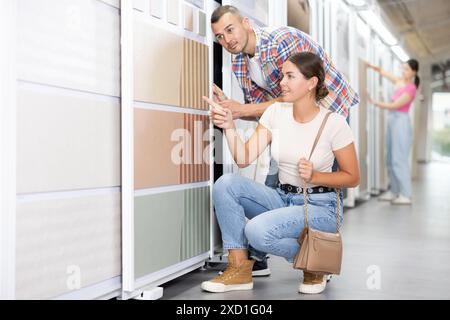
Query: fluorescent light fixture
378, 26
356, 3
401, 54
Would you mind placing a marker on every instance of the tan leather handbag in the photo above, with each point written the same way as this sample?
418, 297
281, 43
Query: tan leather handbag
320, 252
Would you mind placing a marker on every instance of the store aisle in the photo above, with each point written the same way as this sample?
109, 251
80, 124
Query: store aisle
390, 252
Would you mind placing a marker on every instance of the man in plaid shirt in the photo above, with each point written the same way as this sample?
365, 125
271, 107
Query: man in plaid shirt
258, 57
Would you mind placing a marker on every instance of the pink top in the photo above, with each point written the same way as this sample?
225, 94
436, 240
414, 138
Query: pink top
411, 90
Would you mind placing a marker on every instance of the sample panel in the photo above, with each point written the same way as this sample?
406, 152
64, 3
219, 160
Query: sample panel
170, 228
195, 73
157, 73
68, 242
169, 148
173, 11
176, 74
66, 141
75, 44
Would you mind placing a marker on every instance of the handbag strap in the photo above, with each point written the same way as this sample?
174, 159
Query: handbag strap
305, 197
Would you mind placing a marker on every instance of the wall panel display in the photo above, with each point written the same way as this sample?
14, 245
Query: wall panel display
66, 244
68, 232
298, 15
75, 44
166, 174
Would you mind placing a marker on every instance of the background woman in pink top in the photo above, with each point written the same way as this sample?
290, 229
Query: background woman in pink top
399, 134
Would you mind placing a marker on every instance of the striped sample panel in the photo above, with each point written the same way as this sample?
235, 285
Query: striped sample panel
176, 74
66, 140
63, 243
195, 75
169, 148
169, 228
196, 223
195, 166
75, 44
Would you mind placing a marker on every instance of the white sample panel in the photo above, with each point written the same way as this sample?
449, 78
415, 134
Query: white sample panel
66, 140
67, 244
75, 44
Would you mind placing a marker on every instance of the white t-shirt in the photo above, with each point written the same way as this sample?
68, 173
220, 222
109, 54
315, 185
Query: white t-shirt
256, 73
292, 140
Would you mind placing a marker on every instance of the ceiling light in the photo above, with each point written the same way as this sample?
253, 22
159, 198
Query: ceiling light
401, 54
356, 3
378, 26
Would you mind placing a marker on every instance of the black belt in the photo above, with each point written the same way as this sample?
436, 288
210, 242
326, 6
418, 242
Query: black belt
287, 188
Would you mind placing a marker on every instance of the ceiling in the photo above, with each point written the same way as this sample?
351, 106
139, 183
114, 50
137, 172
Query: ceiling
422, 26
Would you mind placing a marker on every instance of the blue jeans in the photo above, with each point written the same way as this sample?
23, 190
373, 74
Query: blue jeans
276, 218
399, 140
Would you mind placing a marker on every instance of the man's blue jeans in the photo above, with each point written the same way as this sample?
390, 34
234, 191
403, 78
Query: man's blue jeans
276, 218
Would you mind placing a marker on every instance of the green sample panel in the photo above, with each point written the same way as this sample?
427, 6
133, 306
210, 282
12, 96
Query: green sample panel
170, 228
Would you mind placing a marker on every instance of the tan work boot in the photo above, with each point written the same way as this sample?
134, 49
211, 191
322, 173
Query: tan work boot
233, 278
312, 283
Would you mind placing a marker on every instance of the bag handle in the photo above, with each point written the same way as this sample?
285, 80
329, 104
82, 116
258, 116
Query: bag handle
305, 198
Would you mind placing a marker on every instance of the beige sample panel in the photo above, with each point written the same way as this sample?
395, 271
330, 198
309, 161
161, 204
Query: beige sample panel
166, 145
66, 141
61, 238
157, 72
176, 74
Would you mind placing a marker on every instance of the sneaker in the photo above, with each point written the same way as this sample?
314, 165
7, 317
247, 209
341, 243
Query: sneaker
402, 200
232, 279
260, 268
312, 283
387, 196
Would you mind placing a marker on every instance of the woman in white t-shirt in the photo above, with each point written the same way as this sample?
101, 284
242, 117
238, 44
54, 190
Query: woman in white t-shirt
276, 216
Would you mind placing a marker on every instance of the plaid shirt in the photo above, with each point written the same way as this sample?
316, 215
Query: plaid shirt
273, 47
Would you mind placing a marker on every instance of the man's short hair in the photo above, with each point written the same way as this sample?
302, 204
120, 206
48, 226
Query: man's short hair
222, 10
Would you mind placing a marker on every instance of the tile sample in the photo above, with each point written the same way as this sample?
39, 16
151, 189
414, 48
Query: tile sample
195, 168
188, 18
169, 228
157, 73
153, 147
139, 5
196, 223
195, 75
157, 8
169, 148
59, 239
202, 24
173, 11
66, 140
75, 44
